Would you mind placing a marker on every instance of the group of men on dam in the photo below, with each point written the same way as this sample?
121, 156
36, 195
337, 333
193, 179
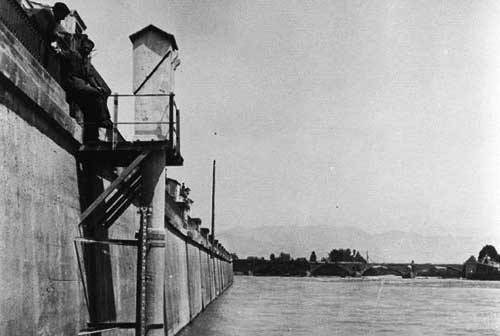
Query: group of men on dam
74, 51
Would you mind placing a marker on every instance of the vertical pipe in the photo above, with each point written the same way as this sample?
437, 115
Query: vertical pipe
153, 195
115, 120
171, 117
145, 212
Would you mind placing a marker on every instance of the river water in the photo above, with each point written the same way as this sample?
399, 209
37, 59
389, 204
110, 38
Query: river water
273, 306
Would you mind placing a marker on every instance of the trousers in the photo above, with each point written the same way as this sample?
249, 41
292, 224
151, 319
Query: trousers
93, 104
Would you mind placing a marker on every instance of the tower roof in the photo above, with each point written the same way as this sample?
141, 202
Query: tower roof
157, 30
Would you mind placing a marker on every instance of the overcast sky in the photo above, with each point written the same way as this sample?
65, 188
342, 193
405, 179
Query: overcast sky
383, 115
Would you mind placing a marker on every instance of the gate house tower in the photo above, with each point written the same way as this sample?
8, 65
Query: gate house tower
155, 58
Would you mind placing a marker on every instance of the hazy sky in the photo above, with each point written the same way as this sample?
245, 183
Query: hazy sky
382, 115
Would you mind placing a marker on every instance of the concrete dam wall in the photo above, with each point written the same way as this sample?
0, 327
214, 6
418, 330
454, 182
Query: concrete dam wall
39, 203
193, 280
48, 285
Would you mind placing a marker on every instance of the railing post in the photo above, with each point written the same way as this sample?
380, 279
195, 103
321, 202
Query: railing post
171, 117
115, 120
177, 132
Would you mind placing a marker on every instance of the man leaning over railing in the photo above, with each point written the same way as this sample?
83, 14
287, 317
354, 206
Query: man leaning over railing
82, 88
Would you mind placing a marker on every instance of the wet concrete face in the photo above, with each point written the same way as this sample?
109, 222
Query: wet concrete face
205, 278
39, 211
195, 288
176, 283
190, 280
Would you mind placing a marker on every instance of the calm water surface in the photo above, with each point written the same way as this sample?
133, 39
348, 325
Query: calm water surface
262, 306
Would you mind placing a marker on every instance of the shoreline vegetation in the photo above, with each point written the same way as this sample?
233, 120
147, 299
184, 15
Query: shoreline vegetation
347, 263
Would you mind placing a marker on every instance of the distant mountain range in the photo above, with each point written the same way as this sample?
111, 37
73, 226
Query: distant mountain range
391, 246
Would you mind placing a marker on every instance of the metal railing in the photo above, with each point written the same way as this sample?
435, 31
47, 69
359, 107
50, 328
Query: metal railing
170, 112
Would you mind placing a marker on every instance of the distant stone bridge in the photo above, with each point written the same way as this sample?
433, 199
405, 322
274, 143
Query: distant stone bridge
364, 269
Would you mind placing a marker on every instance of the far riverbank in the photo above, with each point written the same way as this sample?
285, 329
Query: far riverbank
301, 267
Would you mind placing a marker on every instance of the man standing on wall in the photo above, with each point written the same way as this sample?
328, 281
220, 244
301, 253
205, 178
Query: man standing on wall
82, 88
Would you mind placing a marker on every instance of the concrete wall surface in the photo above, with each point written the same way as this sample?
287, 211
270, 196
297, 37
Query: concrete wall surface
205, 278
39, 213
211, 277
176, 284
195, 287
189, 273
39, 203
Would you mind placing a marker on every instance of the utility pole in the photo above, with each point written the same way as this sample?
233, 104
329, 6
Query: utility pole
213, 203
